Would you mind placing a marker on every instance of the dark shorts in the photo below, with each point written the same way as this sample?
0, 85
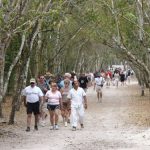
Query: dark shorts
52, 107
33, 108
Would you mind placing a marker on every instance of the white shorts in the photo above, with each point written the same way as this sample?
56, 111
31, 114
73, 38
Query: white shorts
98, 88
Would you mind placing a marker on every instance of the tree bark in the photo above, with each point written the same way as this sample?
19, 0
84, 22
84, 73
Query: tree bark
139, 5
14, 64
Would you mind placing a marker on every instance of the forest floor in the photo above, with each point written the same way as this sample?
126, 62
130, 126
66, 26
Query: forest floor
120, 122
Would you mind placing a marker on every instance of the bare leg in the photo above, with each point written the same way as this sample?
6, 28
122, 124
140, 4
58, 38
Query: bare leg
52, 117
63, 114
98, 96
29, 120
56, 118
36, 119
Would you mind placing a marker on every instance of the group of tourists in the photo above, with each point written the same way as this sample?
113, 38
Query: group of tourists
55, 95
66, 94
109, 78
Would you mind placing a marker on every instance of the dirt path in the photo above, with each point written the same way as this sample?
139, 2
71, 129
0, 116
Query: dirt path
120, 122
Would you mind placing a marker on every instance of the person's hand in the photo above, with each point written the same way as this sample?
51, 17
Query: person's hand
25, 104
45, 89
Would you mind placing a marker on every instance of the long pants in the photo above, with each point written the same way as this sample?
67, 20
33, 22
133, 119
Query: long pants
77, 114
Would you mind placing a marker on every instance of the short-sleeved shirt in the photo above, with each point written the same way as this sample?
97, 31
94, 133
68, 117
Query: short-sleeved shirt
53, 98
32, 94
76, 96
99, 81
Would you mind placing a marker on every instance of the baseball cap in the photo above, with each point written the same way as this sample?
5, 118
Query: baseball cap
32, 80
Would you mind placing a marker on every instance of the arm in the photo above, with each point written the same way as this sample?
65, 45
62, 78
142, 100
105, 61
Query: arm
94, 85
61, 91
60, 102
24, 101
85, 102
41, 98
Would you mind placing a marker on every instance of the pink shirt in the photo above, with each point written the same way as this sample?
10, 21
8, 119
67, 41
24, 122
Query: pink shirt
53, 98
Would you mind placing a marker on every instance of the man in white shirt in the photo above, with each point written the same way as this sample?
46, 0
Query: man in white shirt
78, 104
99, 82
32, 96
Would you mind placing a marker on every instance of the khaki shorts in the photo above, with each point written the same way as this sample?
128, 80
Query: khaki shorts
98, 88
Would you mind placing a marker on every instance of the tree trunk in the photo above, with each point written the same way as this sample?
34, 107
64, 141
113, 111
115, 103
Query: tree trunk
139, 6
1, 110
14, 64
15, 91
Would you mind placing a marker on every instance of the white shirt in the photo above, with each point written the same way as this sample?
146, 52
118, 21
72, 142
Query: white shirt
116, 76
76, 97
53, 98
99, 81
32, 94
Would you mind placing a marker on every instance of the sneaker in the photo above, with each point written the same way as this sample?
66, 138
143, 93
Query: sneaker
82, 126
56, 127
28, 129
52, 128
66, 124
36, 128
74, 128
43, 123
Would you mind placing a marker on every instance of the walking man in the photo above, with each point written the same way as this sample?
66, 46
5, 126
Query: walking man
44, 86
99, 82
32, 97
78, 104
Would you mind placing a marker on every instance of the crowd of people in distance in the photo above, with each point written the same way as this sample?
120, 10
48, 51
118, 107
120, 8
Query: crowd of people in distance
66, 94
109, 78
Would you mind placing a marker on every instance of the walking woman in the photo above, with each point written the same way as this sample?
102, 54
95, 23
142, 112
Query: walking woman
54, 104
65, 102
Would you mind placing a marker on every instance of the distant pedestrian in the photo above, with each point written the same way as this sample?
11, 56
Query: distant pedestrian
83, 82
122, 78
32, 97
128, 76
98, 85
116, 78
78, 104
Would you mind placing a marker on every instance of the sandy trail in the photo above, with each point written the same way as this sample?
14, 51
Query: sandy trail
114, 124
